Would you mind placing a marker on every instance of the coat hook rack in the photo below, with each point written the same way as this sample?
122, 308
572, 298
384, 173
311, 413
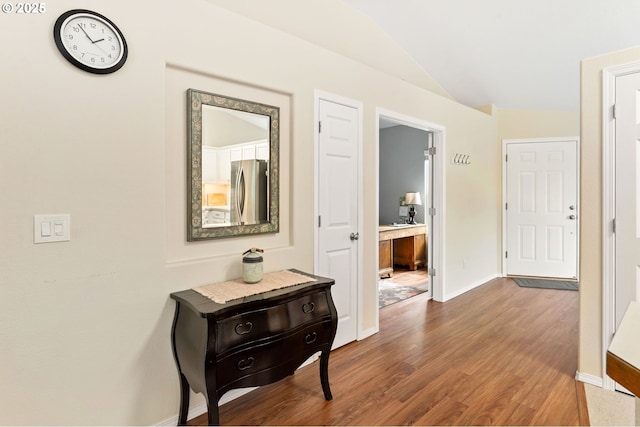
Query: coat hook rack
461, 159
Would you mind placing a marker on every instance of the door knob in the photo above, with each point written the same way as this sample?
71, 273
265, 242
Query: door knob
354, 236
572, 217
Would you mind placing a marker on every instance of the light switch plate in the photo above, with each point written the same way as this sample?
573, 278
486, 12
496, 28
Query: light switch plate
51, 228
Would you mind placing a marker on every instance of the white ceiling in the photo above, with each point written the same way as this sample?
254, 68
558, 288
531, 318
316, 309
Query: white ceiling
514, 54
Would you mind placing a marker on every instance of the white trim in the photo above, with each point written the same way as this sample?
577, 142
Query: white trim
470, 287
589, 379
194, 411
439, 140
201, 408
505, 142
319, 95
368, 332
609, 76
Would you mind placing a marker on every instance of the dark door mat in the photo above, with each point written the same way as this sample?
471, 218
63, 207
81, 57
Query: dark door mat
547, 284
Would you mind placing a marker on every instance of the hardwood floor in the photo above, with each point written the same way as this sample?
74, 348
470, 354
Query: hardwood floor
497, 355
404, 276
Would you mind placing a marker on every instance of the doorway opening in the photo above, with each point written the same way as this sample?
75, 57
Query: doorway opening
410, 189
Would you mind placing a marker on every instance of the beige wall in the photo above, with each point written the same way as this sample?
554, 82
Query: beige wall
514, 124
366, 38
85, 324
590, 359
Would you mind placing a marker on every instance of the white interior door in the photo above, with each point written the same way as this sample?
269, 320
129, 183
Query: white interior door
627, 218
338, 234
541, 208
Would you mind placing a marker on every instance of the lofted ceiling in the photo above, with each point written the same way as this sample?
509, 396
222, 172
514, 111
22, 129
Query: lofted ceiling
514, 54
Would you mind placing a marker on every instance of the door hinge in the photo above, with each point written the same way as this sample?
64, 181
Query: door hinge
506, 206
613, 225
614, 111
506, 254
506, 157
319, 127
432, 272
432, 151
432, 211
319, 221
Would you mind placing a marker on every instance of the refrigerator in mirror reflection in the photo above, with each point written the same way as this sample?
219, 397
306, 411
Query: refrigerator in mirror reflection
249, 192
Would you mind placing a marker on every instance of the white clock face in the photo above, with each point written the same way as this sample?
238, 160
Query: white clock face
92, 41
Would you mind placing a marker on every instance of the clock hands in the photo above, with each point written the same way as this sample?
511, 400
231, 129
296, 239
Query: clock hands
89, 37
85, 33
92, 41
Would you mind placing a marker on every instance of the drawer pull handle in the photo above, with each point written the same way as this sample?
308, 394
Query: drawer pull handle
245, 363
308, 307
244, 328
311, 338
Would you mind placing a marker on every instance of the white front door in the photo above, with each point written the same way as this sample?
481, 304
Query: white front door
338, 244
627, 215
541, 208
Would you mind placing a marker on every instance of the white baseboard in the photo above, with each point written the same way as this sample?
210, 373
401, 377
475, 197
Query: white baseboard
201, 408
367, 333
194, 411
589, 379
474, 285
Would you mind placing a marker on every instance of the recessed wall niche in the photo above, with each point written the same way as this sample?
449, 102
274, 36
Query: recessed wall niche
178, 81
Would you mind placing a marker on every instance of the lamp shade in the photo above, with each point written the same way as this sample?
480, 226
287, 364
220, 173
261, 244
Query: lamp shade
412, 199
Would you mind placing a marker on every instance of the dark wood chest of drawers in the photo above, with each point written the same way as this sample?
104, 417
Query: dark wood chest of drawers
251, 341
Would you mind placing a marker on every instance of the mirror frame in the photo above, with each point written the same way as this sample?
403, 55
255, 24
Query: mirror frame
195, 100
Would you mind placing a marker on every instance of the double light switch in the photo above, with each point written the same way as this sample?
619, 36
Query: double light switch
51, 228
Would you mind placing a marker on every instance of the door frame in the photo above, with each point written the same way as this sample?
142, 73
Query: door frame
505, 142
319, 96
439, 142
609, 76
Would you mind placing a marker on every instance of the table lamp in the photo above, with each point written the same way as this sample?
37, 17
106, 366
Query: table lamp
412, 199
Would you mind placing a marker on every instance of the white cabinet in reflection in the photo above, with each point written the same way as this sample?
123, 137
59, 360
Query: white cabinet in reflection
216, 162
209, 164
216, 165
262, 151
249, 152
223, 163
235, 153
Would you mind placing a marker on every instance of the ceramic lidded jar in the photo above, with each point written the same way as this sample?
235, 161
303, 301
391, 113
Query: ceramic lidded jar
252, 265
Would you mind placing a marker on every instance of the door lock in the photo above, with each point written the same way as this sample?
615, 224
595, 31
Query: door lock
354, 236
573, 208
572, 217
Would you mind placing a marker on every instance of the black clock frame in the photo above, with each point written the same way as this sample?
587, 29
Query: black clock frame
58, 39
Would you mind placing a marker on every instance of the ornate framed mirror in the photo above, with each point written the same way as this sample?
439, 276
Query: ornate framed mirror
232, 169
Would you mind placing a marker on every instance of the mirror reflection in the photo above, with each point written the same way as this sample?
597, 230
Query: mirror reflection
233, 166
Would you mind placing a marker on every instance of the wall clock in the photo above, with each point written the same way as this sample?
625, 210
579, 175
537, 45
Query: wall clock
90, 41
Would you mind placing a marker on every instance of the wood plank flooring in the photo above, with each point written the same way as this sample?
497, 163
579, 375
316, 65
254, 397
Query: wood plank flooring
497, 355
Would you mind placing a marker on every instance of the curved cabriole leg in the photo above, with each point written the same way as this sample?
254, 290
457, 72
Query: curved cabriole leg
184, 401
324, 374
